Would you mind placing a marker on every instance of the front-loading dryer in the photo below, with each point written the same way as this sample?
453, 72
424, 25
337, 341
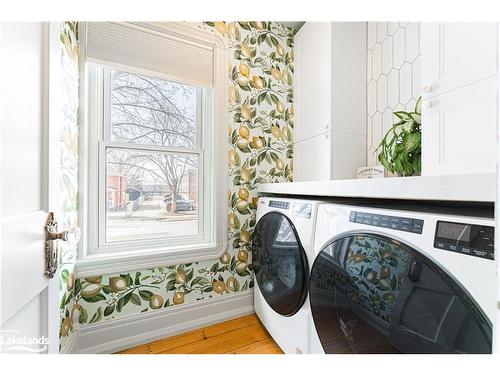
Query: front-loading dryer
281, 256
397, 281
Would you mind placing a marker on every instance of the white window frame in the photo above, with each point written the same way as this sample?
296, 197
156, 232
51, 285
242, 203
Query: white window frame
98, 257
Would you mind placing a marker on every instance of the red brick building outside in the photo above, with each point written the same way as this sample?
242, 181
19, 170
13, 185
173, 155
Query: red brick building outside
116, 191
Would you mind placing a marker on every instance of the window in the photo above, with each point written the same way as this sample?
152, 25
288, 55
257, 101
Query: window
152, 151
155, 161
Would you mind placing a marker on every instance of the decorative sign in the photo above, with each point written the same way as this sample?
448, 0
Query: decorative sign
371, 172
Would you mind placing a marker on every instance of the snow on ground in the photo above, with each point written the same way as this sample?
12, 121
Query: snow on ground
150, 221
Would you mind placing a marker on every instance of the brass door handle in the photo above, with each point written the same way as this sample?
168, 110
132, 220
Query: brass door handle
51, 235
72, 235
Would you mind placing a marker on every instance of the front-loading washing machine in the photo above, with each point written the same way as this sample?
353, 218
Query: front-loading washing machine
281, 256
397, 281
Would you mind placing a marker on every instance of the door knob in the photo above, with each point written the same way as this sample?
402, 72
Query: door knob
51, 235
427, 89
72, 235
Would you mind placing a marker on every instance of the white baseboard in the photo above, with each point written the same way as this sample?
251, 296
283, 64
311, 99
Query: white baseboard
71, 346
123, 333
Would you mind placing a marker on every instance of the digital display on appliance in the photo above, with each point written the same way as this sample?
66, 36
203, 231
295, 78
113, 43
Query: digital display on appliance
467, 239
454, 231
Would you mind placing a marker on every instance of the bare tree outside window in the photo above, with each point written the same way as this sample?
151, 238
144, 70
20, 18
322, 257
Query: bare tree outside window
152, 158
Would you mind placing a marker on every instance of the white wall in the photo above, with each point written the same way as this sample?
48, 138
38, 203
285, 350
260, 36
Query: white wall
392, 77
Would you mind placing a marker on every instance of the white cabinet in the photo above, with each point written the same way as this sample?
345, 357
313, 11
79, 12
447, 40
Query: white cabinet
312, 159
459, 133
330, 100
459, 98
348, 154
328, 155
313, 76
457, 54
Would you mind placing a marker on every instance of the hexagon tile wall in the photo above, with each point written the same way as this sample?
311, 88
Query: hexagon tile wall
392, 77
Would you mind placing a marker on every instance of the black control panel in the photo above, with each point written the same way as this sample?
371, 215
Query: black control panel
385, 221
279, 204
468, 239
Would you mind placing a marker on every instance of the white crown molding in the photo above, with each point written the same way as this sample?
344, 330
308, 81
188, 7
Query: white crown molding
118, 334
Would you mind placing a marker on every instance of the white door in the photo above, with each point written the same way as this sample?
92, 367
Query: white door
457, 54
312, 159
29, 299
459, 130
313, 72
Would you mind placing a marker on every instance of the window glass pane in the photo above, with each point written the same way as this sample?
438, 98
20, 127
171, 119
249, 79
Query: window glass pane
152, 111
150, 195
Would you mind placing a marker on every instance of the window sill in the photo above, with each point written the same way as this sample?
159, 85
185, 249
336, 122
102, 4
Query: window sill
108, 263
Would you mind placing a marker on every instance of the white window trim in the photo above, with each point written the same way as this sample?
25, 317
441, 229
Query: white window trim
91, 262
100, 140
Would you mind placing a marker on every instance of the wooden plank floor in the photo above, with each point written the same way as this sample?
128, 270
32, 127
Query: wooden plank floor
244, 335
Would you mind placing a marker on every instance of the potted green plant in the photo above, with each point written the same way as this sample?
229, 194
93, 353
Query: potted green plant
401, 147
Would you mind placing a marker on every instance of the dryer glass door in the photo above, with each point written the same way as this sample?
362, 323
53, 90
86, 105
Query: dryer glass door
372, 294
280, 263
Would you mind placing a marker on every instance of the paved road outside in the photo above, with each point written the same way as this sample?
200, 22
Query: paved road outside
150, 221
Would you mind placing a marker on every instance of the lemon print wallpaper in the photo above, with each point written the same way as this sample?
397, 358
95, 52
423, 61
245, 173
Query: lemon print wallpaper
260, 133
67, 125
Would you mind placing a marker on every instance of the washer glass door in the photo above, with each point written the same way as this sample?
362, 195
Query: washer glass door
280, 263
372, 294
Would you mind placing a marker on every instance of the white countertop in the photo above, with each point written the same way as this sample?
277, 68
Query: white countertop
472, 188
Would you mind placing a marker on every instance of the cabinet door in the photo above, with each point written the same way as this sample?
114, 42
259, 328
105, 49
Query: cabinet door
348, 154
312, 79
456, 54
459, 131
312, 159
